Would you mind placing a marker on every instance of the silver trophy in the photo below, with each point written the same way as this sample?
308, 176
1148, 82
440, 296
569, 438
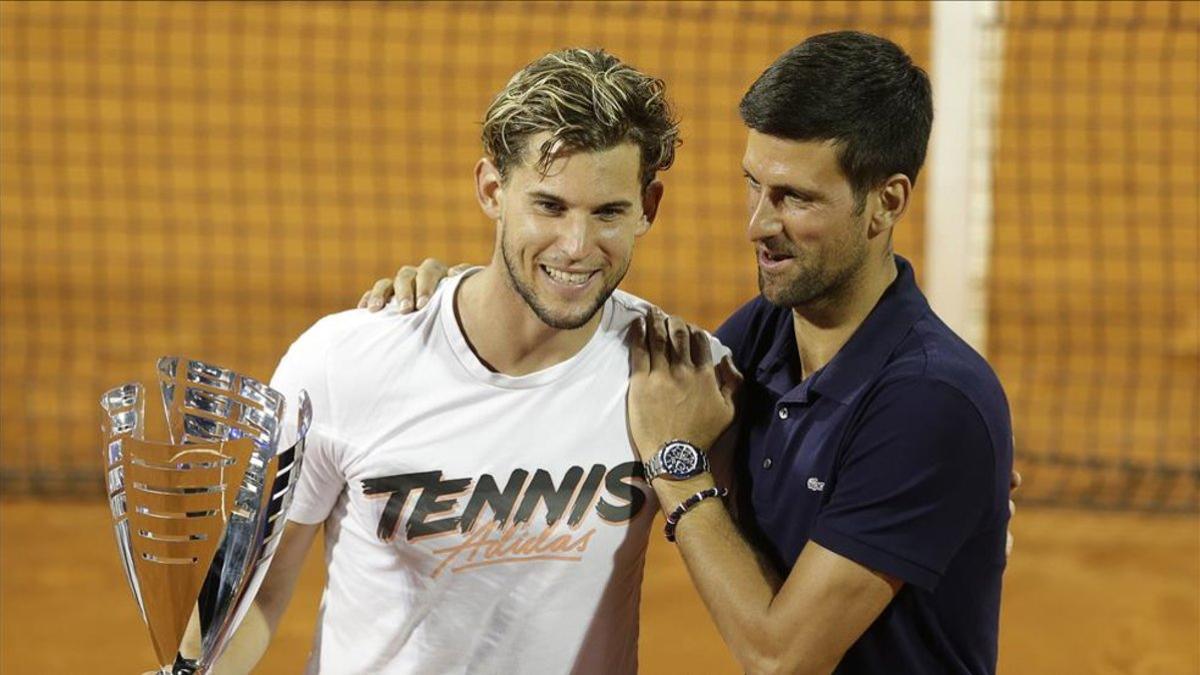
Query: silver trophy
198, 517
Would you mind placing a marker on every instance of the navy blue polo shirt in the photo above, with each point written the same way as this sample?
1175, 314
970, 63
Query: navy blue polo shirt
896, 455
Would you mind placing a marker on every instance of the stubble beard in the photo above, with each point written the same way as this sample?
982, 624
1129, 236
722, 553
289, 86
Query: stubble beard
816, 281
558, 321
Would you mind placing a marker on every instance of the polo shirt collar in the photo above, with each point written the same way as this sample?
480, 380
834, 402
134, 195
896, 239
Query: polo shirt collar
776, 370
863, 355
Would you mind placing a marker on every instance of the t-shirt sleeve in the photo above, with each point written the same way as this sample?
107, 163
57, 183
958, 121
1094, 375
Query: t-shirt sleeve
721, 454
913, 484
303, 367
719, 350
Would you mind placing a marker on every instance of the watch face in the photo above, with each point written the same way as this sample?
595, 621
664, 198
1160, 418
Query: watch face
680, 459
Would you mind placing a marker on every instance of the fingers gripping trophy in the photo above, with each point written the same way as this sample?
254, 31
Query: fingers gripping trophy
198, 517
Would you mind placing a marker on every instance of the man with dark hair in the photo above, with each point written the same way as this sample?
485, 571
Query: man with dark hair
856, 89
874, 446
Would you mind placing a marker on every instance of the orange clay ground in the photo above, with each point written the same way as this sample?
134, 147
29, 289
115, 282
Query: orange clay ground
1084, 593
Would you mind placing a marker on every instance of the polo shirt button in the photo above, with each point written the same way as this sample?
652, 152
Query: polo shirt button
767, 463
783, 413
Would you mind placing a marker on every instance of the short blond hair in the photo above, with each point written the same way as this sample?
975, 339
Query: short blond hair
588, 100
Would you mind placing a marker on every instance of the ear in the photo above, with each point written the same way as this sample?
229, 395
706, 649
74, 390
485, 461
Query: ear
489, 188
887, 204
651, 198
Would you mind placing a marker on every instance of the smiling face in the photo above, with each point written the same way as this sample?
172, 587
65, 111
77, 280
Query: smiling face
566, 238
809, 230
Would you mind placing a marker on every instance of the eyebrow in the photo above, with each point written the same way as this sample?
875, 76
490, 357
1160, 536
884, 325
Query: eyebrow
620, 204
807, 193
538, 194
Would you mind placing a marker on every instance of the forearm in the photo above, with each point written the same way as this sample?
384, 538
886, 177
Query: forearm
253, 636
802, 624
736, 585
244, 650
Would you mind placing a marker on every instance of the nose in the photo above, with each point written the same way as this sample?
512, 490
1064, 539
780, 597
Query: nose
764, 220
575, 238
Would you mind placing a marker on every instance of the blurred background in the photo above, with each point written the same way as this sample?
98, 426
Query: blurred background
208, 179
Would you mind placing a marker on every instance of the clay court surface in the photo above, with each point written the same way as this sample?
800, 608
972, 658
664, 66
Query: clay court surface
1084, 593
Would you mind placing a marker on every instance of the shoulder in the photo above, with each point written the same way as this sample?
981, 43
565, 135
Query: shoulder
312, 345
938, 381
332, 328
914, 425
934, 352
358, 330
347, 360
919, 399
335, 333
345, 345
627, 308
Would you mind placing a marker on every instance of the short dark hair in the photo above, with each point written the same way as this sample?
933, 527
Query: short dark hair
861, 91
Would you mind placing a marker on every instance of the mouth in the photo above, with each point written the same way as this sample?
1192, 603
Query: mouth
568, 280
772, 261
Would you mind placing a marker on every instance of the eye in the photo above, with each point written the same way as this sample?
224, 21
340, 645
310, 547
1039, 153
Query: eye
798, 199
548, 206
609, 215
752, 183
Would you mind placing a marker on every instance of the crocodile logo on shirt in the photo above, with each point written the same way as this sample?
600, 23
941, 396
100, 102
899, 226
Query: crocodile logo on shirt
446, 505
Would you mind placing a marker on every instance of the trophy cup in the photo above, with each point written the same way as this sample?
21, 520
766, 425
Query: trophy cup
198, 517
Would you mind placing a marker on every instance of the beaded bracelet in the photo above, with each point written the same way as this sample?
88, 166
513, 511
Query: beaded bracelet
687, 504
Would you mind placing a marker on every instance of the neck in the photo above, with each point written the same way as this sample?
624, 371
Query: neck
505, 333
824, 325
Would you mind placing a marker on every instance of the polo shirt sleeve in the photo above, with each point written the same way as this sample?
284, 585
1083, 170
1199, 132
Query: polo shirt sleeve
913, 482
321, 476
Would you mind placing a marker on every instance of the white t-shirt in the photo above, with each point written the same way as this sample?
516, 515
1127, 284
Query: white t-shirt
474, 522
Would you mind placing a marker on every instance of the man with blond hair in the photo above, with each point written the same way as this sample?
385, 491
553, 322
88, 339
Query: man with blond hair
484, 509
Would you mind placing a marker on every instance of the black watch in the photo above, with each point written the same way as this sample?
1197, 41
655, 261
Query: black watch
676, 460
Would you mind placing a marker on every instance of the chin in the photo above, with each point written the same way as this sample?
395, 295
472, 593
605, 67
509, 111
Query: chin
565, 322
774, 290
788, 292
780, 298
568, 318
